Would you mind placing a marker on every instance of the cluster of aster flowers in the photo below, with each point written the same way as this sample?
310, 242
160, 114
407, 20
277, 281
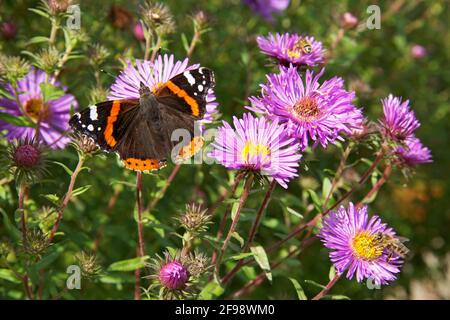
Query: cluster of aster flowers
398, 125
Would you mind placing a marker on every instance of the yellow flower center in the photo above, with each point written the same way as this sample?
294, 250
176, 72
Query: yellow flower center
36, 109
306, 109
253, 149
365, 246
294, 53
156, 87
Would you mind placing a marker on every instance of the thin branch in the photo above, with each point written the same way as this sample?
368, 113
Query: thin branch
328, 287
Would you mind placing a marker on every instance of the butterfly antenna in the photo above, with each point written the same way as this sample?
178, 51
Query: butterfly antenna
107, 72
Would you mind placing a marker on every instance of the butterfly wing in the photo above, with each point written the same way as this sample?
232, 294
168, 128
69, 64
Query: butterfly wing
187, 91
106, 122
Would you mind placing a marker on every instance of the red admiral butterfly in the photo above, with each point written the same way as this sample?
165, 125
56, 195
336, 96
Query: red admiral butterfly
140, 130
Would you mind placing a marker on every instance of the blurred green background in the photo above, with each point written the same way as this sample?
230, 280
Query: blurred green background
374, 63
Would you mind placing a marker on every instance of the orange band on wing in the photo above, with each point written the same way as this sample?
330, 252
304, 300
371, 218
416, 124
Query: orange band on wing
183, 94
192, 148
110, 124
143, 165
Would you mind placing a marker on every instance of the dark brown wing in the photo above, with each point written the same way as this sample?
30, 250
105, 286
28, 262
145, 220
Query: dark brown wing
187, 91
106, 122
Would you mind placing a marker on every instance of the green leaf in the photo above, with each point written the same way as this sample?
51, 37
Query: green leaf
315, 198
10, 228
184, 41
18, 121
338, 297
238, 238
326, 188
332, 273
295, 213
66, 168
53, 198
298, 288
39, 12
261, 258
234, 210
315, 284
241, 256
37, 39
129, 264
212, 290
50, 92
80, 190
8, 275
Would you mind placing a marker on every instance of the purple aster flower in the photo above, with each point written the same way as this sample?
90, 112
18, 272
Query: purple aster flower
311, 111
173, 275
266, 8
399, 121
357, 247
418, 52
413, 152
292, 49
154, 75
53, 115
259, 145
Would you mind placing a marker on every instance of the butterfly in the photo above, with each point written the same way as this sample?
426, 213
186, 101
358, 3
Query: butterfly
140, 130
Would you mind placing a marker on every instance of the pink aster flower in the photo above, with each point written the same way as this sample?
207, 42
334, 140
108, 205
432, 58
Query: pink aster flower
312, 111
154, 74
356, 245
259, 145
413, 152
173, 275
399, 121
292, 49
266, 8
52, 115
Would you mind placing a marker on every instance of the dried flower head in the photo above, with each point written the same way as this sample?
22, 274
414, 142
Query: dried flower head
120, 17
348, 21
98, 94
158, 18
13, 68
97, 54
197, 263
88, 264
85, 145
27, 160
200, 20
47, 60
36, 242
194, 219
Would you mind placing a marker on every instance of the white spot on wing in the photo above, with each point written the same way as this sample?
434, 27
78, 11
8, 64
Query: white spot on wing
200, 88
93, 113
189, 77
90, 127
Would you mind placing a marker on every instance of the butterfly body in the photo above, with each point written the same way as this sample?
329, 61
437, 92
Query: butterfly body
140, 130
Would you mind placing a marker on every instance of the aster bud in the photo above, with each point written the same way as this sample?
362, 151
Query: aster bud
138, 31
348, 21
27, 160
418, 51
158, 18
194, 219
88, 264
58, 6
8, 30
13, 68
173, 275
200, 20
